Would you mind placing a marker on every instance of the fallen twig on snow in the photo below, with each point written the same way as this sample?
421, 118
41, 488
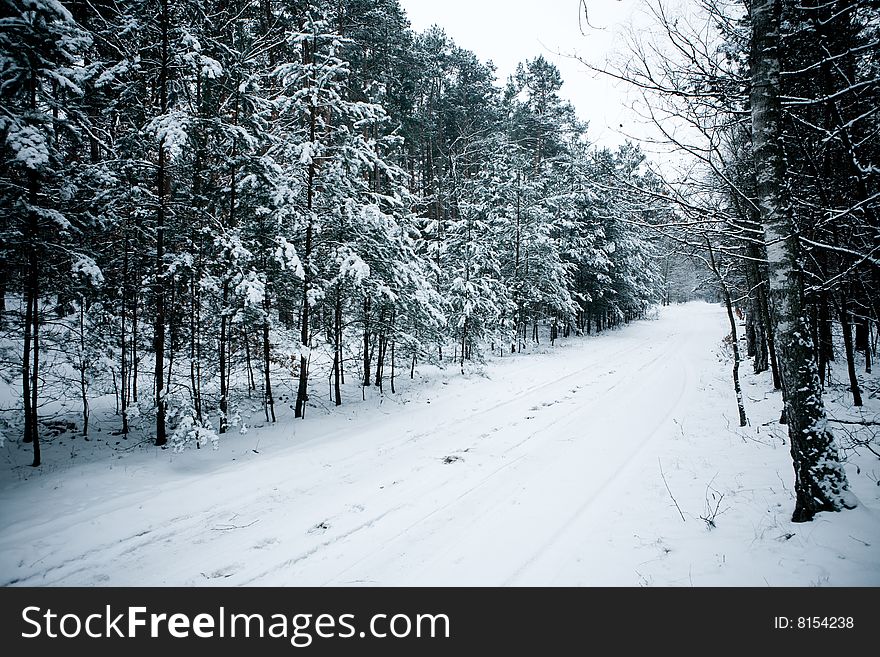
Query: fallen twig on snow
669, 491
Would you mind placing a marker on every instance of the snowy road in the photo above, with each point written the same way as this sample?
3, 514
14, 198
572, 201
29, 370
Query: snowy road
507, 480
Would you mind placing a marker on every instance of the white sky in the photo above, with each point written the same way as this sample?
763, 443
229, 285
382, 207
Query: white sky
511, 31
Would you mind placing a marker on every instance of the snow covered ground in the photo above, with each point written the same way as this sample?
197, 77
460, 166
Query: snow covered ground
547, 470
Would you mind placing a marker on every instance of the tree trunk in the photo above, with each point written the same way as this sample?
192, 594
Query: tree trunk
464, 330
393, 391
825, 347
868, 351
224, 361
3, 275
367, 342
820, 481
32, 356
134, 342
751, 338
302, 392
861, 327
124, 374
225, 314
743, 421
268, 401
846, 325
172, 335
35, 367
159, 285
337, 346
767, 319
83, 381
29, 428
252, 384
31, 353
762, 355
195, 312
381, 347
193, 337
734, 337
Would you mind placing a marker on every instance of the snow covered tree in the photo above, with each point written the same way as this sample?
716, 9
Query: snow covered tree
211, 197
41, 73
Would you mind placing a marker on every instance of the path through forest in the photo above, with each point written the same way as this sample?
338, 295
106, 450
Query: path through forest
533, 475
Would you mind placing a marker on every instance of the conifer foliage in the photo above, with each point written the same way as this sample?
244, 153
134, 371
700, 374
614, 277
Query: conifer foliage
205, 202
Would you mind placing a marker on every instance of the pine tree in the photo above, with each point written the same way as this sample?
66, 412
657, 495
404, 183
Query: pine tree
42, 76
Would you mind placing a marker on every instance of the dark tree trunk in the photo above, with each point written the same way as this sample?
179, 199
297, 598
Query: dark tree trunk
734, 337
825, 347
743, 421
393, 391
31, 403
861, 326
134, 344
172, 335
194, 333
30, 430
159, 285
124, 374
268, 400
751, 338
252, 384
83, 380
35, 369
302, 392
31, 353
30, 426
367, 342
337, 346
464, 330
762, 360
223, 348
767, 321
195, 276
826, 341
846, 325
3, 276
381, 347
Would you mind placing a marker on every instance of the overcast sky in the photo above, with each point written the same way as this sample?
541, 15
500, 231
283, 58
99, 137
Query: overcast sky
511, 31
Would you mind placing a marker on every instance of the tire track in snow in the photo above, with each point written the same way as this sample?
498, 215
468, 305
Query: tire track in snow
163, 553
559, 423
410, 442
568, 526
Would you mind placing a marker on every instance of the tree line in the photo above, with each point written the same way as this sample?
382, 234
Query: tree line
202, 200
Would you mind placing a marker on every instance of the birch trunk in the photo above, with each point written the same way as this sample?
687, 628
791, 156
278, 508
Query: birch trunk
820, 481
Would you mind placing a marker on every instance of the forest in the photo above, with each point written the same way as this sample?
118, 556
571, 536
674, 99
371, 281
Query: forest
204, 198
204, 202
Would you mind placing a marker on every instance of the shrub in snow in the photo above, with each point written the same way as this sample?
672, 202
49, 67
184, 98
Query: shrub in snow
190, 431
